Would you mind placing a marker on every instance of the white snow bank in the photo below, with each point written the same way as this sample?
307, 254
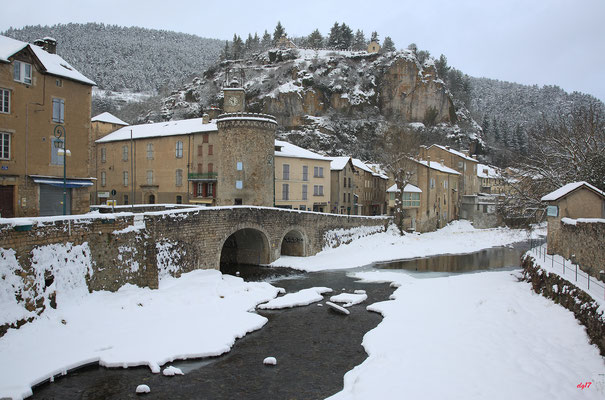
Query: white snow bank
172, 371
202, 312
303, 297
459, 237
349, 299
472, 336
143, 389
270, 361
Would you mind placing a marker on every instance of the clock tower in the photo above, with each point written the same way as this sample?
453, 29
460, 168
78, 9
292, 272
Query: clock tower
235, 100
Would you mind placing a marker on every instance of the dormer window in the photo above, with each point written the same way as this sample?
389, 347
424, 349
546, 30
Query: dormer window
22, 72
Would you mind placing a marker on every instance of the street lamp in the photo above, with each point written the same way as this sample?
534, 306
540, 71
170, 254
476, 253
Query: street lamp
61, 133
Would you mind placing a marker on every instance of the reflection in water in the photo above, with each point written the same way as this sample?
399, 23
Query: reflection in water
497, 257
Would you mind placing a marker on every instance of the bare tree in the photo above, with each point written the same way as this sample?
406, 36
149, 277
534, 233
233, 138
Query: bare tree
400, 150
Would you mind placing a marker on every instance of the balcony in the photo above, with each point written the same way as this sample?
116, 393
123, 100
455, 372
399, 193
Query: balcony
206, 176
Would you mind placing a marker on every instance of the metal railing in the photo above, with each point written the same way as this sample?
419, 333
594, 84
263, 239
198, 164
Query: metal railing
206, 175
568, 269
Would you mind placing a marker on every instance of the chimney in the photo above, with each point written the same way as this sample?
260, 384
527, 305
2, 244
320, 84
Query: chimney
422, 152
474, 156
447, 148
442, 162
50, 45
428, 159
205, 118
465, 152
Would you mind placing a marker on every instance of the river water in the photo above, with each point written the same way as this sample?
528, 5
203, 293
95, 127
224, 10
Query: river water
313, 345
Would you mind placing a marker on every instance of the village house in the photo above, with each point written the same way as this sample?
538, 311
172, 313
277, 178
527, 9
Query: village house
370, 190
165, 162
459, 161
342, 185
411, 200
302, 178
491, 180
45, 108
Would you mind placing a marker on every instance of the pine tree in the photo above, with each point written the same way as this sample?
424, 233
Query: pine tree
226, 53
334, 38
442, 67
346, 37
278, 32
387, 45
266, 43
315, 40
237, 47
359, 41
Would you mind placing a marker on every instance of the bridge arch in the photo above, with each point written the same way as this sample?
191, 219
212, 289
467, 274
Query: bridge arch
245, 245
294, 242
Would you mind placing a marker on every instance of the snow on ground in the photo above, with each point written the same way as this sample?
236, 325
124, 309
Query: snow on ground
350, 299
459, 237
473, 336
134, 326
303, 297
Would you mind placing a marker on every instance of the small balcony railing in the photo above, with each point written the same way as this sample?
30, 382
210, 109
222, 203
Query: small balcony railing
206, 176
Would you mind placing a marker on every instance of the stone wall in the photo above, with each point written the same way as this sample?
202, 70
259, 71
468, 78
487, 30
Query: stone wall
583, 239
563, 292
140, 248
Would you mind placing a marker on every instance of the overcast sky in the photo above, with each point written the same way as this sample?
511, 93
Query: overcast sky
544, 42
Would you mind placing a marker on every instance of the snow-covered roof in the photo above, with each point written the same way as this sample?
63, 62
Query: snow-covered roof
437, 166
338, 163
487, 171
409, 188
365, 167
570, 187
53, 64
160, 129
290, 150
456, 152
109, 118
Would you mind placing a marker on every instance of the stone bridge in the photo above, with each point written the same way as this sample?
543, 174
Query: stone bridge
138, 248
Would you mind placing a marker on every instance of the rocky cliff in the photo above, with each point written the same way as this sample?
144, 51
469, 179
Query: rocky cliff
332, 101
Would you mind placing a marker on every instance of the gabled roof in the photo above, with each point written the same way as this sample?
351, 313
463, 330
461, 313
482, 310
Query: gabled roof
487, 171
52, 63
160, 129
109, 118
338, 163
456, 152
409, 188
290, 150
571, 187
437, 166
364, 167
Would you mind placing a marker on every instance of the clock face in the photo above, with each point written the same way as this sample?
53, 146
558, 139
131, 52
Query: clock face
233, 101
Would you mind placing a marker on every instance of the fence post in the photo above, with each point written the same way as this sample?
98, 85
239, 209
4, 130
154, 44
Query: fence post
576, 272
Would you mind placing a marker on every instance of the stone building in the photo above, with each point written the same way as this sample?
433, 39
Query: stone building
459, 161
45, 107
373, 47
302, 178
370, 190
411, 201
164, 162
491, 180
342, 185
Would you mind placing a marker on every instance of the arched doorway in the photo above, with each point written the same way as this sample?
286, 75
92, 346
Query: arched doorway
246, 246
293, 244
151, 199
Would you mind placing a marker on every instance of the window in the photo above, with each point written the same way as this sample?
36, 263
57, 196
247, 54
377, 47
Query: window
179, 199
179, 177
318, 172
200, 150
5, 101
205, 138
55, 158
350, 182
349, 196
22, 72
432, 183
200, 190
150, 177
125, 178
318, 190
345, 182
286, 172
239, 184
59, 83
200, 168
210, 149
344, 197
103, 154
125, 199
285, 191
305, 175
304, 192
150, 151
210, 168
179, 149
124, 153
460, 164
210, 190
240, 166
103, 178
58, 110
5, 146
411, 199
445, 184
